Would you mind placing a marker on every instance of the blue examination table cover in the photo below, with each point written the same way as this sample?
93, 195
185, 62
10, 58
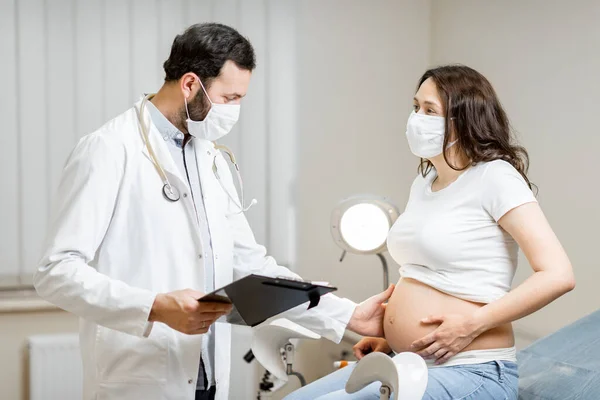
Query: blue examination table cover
564, 365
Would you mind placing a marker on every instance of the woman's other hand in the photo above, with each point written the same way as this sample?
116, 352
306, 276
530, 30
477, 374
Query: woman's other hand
369, 345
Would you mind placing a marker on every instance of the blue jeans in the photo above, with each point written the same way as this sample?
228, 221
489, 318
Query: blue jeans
497, 380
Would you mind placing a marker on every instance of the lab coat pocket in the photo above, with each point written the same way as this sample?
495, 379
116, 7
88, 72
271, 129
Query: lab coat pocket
126, 358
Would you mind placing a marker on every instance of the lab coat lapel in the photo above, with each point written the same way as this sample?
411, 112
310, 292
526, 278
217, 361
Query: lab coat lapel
215, 205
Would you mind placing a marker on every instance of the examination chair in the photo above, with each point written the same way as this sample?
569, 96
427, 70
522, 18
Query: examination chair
404, 374
562, 366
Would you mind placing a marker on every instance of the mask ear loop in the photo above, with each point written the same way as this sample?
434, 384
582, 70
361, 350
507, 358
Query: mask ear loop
205, 92
455, 141
186, 108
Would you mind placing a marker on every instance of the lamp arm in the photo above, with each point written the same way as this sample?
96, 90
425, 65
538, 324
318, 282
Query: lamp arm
386, 274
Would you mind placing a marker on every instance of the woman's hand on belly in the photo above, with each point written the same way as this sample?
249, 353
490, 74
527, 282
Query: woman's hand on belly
454, 333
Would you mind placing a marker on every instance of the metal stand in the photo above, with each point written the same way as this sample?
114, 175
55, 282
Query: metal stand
266, 384
384, 265
288, 357
386, 274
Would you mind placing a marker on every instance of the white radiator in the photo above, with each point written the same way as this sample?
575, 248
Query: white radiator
55, 367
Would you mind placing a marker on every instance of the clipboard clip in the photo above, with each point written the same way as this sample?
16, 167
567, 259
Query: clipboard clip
314, 298
320, 283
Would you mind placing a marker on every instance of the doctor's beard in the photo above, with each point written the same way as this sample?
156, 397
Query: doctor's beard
198, 107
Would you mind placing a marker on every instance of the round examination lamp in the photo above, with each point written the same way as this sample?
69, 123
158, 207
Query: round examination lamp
360, 225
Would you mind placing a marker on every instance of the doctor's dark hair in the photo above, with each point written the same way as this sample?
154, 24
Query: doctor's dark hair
474, 113
204, 48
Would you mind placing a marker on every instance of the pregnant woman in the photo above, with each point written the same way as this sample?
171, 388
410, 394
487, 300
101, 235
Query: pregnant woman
470, 209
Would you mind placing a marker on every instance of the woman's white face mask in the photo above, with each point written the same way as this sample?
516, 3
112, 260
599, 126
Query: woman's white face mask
218, 122
425, 134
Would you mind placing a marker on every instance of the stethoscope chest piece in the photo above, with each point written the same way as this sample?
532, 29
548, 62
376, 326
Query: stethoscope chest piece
170, 192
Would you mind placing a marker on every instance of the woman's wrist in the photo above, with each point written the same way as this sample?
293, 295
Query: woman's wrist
479, 322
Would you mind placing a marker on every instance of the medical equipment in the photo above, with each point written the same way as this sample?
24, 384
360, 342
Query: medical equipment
169, 191
217, 123
273, 348
425, 134
242, 207
405, 375
360, 225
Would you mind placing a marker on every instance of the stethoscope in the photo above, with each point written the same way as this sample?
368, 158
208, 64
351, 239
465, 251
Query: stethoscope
169, 191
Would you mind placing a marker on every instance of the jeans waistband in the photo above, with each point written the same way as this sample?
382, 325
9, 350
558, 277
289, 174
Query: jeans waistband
508, 354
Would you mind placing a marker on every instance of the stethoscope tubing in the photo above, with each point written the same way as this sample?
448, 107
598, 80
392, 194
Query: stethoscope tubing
170, 192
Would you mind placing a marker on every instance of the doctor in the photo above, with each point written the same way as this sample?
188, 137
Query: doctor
147, 218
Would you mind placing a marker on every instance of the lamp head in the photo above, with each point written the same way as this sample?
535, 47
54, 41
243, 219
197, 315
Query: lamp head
360, 224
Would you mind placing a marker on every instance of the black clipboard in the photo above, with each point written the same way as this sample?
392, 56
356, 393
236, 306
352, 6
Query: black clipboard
256, 298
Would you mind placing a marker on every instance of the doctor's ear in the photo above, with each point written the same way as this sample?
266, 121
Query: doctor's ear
190, 84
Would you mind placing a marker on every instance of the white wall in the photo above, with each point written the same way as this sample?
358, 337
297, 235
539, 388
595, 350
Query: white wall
543, 59
357, 69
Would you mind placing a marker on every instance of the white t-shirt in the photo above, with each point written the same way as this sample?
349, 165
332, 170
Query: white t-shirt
450, 239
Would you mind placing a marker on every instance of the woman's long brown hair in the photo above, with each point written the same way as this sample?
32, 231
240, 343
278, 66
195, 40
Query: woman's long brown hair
475, 115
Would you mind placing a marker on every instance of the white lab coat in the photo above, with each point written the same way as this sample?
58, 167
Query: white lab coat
115, 242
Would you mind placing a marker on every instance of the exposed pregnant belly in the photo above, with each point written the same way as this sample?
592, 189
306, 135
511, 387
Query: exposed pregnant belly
412, 301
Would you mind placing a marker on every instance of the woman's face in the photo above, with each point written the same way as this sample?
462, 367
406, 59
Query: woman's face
427, 100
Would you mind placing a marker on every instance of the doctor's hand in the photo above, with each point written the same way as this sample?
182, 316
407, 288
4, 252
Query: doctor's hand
367, 319
182, 311
369, 345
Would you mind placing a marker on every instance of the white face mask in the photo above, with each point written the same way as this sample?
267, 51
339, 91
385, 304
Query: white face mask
425, 134
218, 122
